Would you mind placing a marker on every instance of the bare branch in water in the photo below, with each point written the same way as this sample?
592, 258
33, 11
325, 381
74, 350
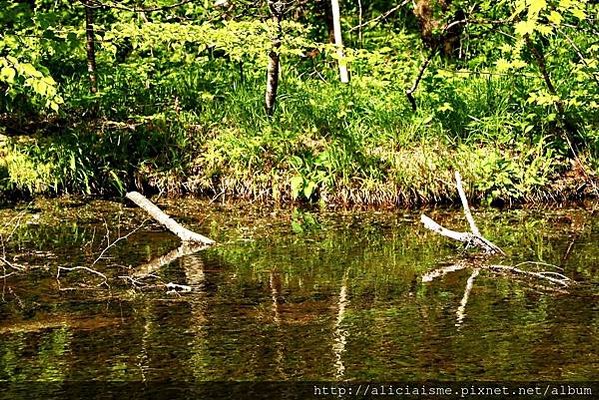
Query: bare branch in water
90, 270
471, 238
117, 240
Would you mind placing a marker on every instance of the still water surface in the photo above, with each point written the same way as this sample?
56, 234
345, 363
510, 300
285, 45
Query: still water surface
293, 296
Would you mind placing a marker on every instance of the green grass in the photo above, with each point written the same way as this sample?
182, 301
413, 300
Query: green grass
207, 133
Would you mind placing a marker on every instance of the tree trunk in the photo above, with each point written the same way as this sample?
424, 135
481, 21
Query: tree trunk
272, 73
90, 46
431, 15
343, 76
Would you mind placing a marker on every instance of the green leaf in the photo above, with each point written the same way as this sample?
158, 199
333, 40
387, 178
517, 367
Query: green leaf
297, 182
30, 70
555, 17
7, 74
309, 189
536, 6
296, 227
502, 65
525, 27
579, 13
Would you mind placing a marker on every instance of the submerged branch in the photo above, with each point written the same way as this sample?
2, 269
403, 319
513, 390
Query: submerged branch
116, 241
12, 265
90, 270
558, 278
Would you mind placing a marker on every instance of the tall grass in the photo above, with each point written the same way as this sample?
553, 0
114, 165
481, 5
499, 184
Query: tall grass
204, 131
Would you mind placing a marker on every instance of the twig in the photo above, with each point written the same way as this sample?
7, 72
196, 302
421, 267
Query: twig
118, 240
435, 49
538, 263
12, 265
562, 280
578, 52
380, 17
93, 271
98, 4
7, 275
410, 92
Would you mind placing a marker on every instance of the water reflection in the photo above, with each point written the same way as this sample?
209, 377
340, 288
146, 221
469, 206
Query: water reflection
341, 333
365, 296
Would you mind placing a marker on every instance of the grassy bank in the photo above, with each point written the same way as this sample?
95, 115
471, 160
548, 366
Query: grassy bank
174, 101
327, 142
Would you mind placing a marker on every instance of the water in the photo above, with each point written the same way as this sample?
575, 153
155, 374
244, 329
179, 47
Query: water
293, 296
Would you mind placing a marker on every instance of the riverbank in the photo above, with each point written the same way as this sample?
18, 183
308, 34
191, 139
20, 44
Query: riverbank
327, 143
285, 167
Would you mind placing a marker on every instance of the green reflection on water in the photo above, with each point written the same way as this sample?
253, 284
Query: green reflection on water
341, 299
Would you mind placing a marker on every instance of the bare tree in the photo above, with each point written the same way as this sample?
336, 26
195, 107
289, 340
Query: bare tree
277, 9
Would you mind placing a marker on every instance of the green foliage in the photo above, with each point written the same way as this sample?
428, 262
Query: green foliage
180, 102
23, 79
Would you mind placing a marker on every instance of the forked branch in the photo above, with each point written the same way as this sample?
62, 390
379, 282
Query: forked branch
473, 238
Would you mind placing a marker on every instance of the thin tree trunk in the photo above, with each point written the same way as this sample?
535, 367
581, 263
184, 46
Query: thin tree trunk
272, 73
90, 46
360, 21
343, 76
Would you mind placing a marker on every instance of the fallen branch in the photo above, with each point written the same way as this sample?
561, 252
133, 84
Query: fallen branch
472, 238
183, 233
467, 213
93, 271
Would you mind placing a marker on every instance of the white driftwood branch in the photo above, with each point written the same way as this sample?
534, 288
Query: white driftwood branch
435, 227
183, 233
467, 213
471, 238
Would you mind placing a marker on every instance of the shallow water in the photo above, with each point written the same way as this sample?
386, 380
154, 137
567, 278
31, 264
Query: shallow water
290, 295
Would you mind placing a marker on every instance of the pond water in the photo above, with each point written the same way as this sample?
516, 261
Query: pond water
293, 295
